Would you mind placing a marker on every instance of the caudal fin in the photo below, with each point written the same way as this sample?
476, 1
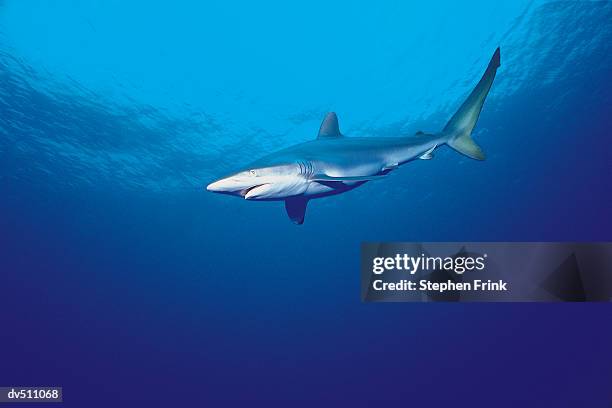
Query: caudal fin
459, 127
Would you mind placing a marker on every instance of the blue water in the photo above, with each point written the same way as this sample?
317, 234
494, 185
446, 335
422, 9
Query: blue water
125, 282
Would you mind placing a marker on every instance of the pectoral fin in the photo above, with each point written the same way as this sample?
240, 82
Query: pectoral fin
296, 209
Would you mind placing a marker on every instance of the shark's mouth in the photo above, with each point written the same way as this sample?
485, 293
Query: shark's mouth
249, 192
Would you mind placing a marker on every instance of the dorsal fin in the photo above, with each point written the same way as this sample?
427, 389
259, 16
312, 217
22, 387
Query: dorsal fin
329, 127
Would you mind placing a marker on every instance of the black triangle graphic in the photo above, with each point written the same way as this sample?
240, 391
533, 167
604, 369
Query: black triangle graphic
565, 282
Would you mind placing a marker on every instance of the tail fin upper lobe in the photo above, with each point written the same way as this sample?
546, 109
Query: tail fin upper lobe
459, 127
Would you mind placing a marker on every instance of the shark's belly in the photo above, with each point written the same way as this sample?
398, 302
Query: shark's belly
318, 189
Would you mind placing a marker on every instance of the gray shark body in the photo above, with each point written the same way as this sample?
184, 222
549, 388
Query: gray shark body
333, 164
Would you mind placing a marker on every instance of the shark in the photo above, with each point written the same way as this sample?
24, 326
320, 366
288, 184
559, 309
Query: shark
334, 164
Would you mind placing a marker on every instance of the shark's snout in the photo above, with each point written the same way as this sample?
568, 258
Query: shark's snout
216, 186
225, 185
236, 186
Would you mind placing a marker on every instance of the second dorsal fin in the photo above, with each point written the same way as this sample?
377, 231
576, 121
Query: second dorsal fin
329, 127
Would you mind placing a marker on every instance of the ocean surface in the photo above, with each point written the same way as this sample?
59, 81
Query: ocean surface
125, 282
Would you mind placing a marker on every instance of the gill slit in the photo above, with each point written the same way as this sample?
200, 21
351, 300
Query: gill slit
306, 168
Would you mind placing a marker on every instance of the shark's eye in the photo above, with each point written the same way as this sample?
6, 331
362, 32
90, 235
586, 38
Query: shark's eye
253, 172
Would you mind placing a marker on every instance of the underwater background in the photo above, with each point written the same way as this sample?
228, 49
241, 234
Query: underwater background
125, 282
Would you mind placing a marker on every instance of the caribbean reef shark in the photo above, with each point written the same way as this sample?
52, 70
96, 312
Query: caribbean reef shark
333, 164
